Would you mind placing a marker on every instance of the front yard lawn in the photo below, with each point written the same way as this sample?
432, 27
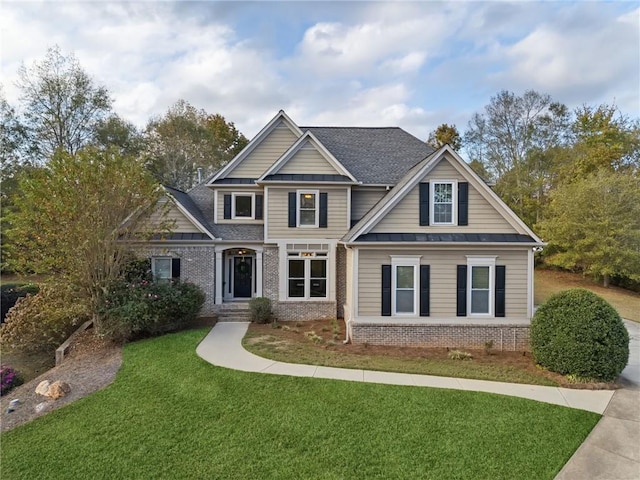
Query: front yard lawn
169, 414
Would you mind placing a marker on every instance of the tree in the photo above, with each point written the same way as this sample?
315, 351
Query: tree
187, 138
61, 104
511, 139
445, 135
114, 131
76, 216
593, 225
603, 138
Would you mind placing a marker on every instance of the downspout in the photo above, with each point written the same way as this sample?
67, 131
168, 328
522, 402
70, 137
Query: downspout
347, 324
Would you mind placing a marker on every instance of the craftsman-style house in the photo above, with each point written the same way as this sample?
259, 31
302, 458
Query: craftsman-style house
405, 243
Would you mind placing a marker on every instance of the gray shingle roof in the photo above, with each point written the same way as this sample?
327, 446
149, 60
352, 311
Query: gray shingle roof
446, 237
373, 155
187, 202
241, 233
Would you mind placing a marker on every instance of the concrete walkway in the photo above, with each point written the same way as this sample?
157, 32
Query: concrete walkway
610, 452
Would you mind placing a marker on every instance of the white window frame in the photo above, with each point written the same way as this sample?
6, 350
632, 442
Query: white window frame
405, 261
299, 193
454, 197
489, 262
233, 205
154, 268
307, 257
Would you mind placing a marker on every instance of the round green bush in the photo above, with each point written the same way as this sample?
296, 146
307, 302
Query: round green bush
578, 333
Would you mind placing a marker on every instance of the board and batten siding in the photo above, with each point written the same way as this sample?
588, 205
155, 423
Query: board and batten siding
405, 216
219, 204
443, 279
278, 213
171, 213
363, 199
308, 160
265, 154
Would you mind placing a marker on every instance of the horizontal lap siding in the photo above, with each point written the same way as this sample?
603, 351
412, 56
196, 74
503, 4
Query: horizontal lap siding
443, 279
404, 217
182, 224
265, 154
278, 219
308, 160
363, 200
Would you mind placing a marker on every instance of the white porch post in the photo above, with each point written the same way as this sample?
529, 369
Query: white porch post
258, 273
218, 277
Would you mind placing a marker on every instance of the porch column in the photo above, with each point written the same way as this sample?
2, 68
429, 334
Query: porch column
258, 273
218, 277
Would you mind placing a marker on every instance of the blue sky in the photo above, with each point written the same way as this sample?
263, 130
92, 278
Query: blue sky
409, 64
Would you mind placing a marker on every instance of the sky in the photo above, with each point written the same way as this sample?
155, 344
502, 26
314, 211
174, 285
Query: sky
410, 64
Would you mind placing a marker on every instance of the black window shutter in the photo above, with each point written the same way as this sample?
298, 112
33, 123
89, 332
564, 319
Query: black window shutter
322, 220
500, 290
461, 291
386, 291
424, 290
292, 209
463, 203
424, 204
175, 268
259, 199
227, 206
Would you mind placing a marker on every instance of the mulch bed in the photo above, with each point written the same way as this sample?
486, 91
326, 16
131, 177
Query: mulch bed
295, 332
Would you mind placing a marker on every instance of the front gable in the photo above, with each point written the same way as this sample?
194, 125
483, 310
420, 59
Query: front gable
261, 152
444, 179
308, 158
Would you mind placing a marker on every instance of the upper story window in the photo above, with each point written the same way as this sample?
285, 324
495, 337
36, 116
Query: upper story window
243, 205
442, 204
308, 208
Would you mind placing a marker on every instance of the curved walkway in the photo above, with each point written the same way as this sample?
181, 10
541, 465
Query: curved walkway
611, 451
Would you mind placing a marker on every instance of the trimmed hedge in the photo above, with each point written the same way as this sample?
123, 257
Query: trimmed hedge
578, 333
260, 308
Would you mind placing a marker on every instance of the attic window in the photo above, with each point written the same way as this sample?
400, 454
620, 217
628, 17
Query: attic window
442, 203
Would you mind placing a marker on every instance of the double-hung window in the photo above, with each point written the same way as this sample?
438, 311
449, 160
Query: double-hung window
161, 269
481, 279
404, 285
307, 275
307, 208
243, 205
442, 203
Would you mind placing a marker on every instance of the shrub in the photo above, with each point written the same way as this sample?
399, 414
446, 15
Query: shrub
9, 379
149, 308
41, 322
578, 333
11, 292
260, 309
459, 355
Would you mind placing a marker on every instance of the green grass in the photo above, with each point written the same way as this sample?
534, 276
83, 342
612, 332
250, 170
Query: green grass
306, 352
169, 414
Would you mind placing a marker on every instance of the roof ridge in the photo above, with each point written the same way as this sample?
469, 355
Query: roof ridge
352, 127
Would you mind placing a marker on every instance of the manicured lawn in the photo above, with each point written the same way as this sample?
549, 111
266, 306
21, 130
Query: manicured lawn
171, 415
548, 282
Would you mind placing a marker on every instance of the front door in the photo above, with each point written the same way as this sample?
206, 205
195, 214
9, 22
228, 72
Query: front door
242, 268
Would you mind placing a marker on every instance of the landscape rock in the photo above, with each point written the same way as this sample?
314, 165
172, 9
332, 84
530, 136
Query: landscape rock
58, 389
43, 387
40, 407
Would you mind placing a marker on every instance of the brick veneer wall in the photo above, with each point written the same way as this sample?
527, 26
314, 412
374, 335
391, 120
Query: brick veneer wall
341, 279
197, 265
504, 337
289, 310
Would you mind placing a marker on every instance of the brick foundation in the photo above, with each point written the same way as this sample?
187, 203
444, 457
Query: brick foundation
504, 337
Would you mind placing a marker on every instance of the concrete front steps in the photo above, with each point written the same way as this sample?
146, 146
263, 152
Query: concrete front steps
234, 312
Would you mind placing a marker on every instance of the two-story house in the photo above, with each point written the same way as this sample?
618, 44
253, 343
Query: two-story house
405, 243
